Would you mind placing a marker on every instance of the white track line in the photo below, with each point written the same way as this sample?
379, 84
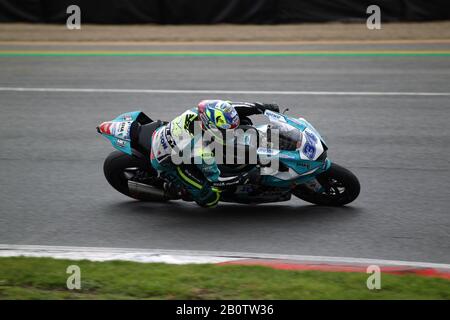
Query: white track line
108, 254
190, 256
250, 92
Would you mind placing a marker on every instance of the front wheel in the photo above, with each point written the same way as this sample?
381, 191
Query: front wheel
338, 187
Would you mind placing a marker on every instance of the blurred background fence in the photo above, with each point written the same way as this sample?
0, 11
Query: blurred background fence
221, 11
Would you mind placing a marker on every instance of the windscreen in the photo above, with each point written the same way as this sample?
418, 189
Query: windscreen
289, 137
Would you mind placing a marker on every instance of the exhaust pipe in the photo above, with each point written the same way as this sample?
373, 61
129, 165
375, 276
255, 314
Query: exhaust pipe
146, 192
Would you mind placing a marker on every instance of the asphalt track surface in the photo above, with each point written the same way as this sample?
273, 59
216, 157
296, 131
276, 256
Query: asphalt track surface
53, 191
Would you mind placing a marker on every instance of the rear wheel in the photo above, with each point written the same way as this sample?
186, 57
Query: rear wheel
339, 186
120, 168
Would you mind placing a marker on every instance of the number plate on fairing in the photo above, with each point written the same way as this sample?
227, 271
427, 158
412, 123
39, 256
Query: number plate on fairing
311, 147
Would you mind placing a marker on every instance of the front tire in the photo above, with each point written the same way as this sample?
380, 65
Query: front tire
339, 187
119, 168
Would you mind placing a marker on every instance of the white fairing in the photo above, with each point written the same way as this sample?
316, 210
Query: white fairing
309, 146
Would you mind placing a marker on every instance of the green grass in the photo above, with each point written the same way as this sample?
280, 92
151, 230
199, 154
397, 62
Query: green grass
44, 278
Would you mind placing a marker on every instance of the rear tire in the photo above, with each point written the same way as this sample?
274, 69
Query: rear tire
340, 185
115, 170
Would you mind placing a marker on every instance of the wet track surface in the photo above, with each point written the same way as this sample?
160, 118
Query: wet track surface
54, 192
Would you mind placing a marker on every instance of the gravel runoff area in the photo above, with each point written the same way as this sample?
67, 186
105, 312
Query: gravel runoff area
429, 31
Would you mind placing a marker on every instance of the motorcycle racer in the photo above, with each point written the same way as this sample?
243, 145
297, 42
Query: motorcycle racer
202, 180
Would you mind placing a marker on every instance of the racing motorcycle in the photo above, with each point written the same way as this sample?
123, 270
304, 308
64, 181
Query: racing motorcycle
303, 168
